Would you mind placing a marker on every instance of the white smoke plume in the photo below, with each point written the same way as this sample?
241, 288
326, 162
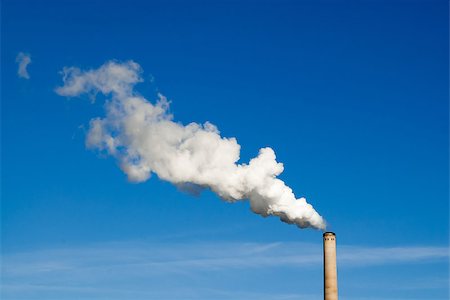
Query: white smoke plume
144, 139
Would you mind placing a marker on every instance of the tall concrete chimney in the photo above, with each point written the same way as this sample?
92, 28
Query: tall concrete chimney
329, 266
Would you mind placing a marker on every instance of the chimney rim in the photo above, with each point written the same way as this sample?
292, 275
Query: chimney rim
329, 233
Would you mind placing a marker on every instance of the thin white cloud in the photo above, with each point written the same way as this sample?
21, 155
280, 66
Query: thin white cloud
23, 59
119, 293
123, 270
139, 256
363, 256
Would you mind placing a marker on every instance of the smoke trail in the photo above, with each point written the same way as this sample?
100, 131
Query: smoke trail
144, 139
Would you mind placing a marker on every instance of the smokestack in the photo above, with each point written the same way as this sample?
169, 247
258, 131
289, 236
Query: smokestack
329, 266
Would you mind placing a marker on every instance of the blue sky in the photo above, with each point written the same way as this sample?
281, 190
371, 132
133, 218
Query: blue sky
352, 96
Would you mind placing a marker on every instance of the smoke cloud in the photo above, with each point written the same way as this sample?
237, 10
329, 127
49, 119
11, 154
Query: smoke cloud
145, 139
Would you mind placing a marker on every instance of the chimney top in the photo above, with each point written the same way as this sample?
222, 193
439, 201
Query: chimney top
329, 233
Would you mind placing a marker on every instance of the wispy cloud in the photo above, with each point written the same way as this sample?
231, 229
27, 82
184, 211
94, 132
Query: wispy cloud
118, 268
363, 256
170, 257
23, 60
120, 293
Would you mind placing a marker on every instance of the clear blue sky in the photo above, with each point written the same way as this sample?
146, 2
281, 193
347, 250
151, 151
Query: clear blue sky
352, 96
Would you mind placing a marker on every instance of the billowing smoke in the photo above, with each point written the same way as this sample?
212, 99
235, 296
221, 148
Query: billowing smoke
144, 139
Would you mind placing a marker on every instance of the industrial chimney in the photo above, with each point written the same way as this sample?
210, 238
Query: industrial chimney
329, 266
